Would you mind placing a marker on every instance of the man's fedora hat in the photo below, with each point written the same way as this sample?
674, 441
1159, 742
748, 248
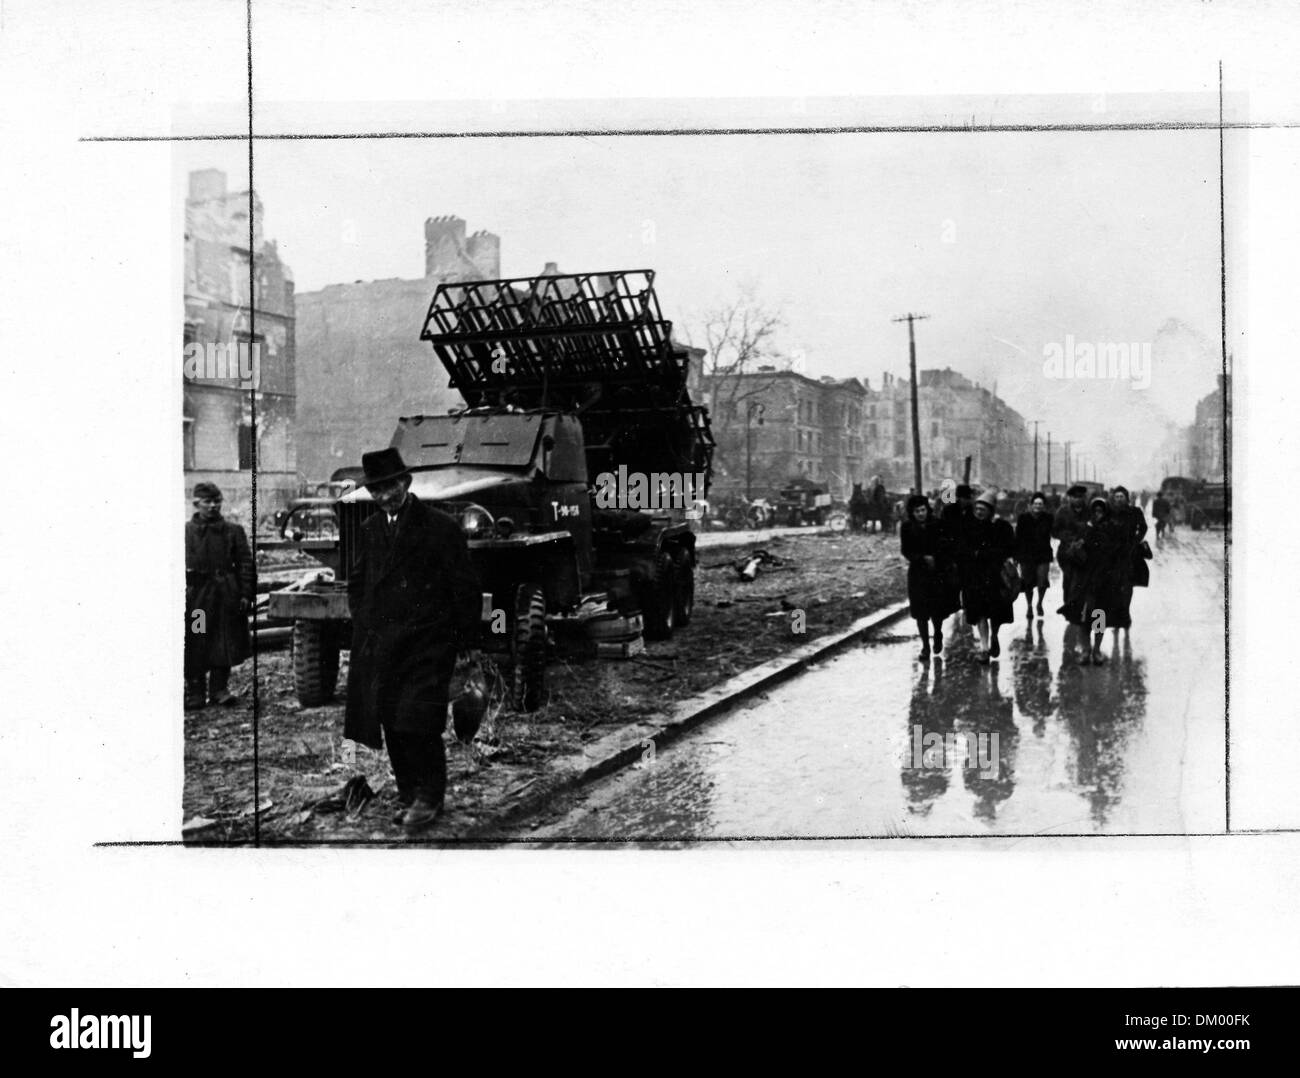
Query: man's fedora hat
382, 466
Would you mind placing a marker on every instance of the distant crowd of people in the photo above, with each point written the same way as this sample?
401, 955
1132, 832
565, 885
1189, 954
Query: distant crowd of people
962, 557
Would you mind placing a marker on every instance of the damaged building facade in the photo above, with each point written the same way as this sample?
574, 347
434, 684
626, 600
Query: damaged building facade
959, 419
237, 352
774, 426
363, 364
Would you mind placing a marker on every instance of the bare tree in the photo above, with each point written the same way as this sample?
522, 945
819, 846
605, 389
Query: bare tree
739, 339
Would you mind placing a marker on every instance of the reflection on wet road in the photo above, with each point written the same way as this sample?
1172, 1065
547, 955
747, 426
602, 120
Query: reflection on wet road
873, 742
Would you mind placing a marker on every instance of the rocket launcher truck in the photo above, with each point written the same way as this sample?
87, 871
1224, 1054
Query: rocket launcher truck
574, 468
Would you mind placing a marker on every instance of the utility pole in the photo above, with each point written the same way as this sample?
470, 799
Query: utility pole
1036, 422
1049, 460
1068, 447
753, 409
916, 409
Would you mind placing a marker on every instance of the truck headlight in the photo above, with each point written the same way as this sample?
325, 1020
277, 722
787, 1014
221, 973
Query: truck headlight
476, 521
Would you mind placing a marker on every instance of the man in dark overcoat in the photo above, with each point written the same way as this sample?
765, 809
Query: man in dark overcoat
219, 584
415, 602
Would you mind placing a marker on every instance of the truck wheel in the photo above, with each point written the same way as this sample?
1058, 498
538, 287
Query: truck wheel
684, 604
315, 661
529, 647
659, 599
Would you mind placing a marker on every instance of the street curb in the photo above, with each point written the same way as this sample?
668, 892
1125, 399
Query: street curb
625, 747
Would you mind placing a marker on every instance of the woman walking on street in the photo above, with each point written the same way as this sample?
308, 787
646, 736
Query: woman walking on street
1098, 586
1131, 525
931, 575
1034, 551
988, 545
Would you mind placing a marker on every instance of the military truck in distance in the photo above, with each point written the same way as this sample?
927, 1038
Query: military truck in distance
1200, 503
567, 380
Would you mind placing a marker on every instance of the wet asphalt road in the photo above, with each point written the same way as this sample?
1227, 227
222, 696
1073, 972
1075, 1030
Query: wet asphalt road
874, 743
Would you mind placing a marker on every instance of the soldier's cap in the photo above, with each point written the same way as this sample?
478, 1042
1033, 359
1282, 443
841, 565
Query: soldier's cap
382, 466
988, 497
207, 490
964, 491
1076, 491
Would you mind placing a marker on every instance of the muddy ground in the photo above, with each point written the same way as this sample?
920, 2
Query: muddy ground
303, 760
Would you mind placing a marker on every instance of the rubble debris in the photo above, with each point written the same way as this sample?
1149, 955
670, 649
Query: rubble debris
747, 566
351, 798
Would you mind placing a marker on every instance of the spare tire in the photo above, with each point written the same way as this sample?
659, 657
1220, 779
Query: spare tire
659, 598
315, 661
684, 591
529, 647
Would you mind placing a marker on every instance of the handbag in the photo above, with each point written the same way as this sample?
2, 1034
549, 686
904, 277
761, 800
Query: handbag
1141, 574
1011, 584
1141, 570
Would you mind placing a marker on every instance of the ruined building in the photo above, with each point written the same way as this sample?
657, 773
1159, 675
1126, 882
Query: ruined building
225, 329
363, 363
774, 426
959, 419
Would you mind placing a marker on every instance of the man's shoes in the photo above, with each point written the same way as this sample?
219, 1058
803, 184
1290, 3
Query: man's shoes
219, 689
404, 802
195, 697
422, 815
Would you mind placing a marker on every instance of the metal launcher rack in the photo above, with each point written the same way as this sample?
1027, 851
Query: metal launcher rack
595, 344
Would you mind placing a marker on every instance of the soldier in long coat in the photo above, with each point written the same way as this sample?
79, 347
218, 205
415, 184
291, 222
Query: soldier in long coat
219, 582
415, 602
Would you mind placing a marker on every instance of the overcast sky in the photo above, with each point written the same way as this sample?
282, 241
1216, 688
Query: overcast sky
1008, 241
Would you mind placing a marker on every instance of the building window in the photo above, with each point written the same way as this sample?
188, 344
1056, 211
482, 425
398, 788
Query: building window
245, 446
187, 443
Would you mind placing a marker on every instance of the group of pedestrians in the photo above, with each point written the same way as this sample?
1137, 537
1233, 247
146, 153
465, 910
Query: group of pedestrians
957, 561
1102, 554
962, 556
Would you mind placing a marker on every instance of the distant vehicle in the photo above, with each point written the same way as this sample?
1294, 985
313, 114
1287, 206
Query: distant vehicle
803, 503
1203, 503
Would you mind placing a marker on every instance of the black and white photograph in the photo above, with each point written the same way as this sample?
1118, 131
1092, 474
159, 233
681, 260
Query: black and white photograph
810, 455
844, 482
